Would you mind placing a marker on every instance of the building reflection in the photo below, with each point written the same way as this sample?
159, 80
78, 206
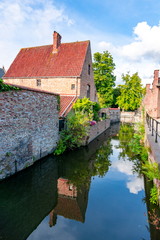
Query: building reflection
72, 202
55, 185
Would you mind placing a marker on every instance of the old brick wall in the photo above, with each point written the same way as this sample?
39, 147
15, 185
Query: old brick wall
112, 113
60, 85
88, 79
151, 100
97, 129
28, 129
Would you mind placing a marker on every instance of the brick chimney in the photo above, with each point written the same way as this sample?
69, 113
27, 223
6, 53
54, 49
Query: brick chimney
148, 86
56, 41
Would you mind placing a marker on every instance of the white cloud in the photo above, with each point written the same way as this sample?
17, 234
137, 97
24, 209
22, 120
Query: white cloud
28, 23
31, 23
141, 55
122, 166
135, 185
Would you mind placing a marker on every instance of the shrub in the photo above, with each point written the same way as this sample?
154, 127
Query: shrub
76, 130
89, 107
4, 87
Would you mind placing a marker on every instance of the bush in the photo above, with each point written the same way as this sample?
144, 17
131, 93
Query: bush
75, 133
89, 107
4, 87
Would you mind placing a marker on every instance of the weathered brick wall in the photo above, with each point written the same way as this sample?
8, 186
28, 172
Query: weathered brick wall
97, 129
60, 85
152, 98
130, 117
88, 79
28, 129
112, 113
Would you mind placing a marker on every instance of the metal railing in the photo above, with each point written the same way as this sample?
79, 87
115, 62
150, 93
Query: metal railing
153, 126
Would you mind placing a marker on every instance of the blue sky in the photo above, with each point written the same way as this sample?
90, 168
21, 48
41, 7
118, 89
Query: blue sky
128, 29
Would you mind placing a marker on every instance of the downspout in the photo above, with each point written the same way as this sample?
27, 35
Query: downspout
76, 86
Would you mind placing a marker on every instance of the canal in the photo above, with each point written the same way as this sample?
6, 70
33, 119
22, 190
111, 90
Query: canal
93, 193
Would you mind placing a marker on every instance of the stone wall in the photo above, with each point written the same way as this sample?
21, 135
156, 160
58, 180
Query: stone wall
152, 98
112, 113
97, 129
130, 117
28, 128
87, 78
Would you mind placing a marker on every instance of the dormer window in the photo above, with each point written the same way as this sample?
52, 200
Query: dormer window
89, 69
38, 82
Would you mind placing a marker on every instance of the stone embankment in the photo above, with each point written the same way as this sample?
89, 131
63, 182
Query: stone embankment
28, 128
130, 117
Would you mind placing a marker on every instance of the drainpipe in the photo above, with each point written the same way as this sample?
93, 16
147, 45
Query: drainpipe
76, 86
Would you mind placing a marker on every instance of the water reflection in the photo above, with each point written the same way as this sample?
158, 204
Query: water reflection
57, 186
56, 195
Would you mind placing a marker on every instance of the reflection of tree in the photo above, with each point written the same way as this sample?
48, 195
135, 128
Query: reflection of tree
102, 162
80, 170
125, 136
126, 133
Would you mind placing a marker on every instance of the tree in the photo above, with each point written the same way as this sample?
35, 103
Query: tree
104, 78
116, 93
131, 92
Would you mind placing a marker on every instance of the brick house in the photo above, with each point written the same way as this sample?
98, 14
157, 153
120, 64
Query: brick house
63, 68
151, 100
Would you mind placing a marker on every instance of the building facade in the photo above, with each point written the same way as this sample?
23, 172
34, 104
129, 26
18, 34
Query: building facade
151, 100
63, 68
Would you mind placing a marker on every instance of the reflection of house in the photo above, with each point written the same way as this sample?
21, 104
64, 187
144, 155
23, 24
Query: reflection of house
152, 98
72, 202
63, 68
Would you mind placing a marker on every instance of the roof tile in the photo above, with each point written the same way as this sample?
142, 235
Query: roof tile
41, 62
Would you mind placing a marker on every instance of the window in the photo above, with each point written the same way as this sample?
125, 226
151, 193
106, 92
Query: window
88, 91
89, 69
72, 86
38, 82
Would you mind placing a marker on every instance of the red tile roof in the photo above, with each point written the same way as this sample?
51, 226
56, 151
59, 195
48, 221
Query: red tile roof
66, 103
41, 62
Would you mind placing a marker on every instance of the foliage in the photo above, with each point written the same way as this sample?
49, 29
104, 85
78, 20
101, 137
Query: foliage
116, 94
102, 161
131, 92
151, 170
75, 132
104, 78
4, 87
154, 195
89, 107
88, 164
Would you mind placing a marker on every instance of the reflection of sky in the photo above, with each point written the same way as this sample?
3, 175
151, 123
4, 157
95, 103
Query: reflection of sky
113, 213
134, 183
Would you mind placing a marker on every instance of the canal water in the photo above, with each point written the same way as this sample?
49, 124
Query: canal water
93, 193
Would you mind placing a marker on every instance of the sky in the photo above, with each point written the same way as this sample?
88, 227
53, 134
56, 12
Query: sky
128, 29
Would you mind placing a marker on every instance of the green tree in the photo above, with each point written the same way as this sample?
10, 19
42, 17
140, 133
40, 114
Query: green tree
131, 92
104, 78
116, 93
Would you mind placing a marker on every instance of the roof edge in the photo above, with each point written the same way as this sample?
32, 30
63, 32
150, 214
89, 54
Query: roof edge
40, 77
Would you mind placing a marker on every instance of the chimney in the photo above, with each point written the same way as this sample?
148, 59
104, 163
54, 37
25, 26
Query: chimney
148, 86
56, 41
